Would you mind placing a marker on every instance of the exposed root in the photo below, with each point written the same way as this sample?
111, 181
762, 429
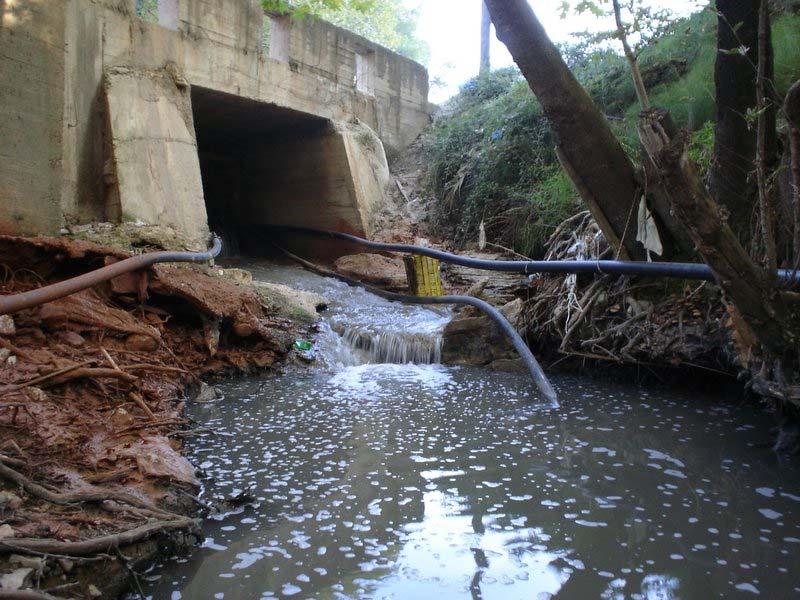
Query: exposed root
91, 396
26, 595
103, 544
617, 321
43, 493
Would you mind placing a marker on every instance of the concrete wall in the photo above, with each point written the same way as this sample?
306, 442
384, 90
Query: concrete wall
31, 99
156, 168
54, 54
301, 181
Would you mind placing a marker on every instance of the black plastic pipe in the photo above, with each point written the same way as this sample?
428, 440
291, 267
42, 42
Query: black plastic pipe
533, 366
528, 267
16, 302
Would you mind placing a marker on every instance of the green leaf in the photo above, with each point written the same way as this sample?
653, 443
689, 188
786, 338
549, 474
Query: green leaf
303, 345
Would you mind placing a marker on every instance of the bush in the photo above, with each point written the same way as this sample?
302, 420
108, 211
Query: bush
492, 150
493, 161
701, 148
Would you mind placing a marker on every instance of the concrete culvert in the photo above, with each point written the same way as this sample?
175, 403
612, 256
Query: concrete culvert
262, 164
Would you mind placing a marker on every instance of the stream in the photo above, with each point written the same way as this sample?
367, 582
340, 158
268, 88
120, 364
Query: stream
378, 473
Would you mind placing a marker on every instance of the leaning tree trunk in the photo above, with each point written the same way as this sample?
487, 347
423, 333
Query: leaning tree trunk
735, 72
770, 315
593, 157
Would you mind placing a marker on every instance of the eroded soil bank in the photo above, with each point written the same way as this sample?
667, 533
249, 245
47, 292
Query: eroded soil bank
92, 393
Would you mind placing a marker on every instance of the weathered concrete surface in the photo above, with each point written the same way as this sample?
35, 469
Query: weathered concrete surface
329, 179
301, 180
31, 97
54, 55
155, 172
369, 170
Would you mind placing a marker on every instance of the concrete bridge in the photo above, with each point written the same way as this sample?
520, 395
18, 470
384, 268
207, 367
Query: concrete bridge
216, 115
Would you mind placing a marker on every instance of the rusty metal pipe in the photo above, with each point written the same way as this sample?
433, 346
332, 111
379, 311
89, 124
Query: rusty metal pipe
15, 302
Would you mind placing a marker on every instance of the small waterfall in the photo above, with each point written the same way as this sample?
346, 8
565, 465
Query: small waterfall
421, 348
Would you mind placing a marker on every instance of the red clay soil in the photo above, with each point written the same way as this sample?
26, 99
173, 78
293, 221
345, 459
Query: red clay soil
92, 389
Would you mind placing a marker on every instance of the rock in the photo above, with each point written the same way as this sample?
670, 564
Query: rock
6, 531
7, 325
11, 360
513, 311
9, 501
207, 394
66, 565
31, 562
4, 354
289, 302
94, 591
237, 275
141, 343
508, 365
71, 338
122, 419
155, 457
477, 341
36, 394
476, 290
211, 335
375, 269
15, 579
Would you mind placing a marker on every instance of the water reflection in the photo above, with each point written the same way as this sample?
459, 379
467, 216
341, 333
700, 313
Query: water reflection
425, 481
422, 481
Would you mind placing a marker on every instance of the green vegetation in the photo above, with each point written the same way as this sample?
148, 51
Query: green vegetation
492, 157
385, 22
315, 7
147, 10
493, 161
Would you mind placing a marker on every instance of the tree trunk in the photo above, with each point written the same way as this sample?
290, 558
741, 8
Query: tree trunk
731, 179
753, 291
486, 30
791, 108
765, 137
585, 139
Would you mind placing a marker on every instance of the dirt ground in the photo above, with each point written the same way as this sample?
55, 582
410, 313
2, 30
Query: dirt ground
92, 390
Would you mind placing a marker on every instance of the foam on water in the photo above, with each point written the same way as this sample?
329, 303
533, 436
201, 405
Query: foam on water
375, 480
361, 328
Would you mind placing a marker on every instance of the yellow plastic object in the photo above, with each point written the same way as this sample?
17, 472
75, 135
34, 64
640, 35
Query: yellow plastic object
424, 278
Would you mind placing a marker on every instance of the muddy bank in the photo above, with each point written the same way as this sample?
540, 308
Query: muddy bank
92, 393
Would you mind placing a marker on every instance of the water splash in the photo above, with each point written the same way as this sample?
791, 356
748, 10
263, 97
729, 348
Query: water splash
394, 347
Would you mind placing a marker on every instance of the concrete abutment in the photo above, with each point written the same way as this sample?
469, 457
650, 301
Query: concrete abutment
193, 122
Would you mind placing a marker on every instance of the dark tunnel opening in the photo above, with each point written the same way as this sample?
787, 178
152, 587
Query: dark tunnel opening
265, 165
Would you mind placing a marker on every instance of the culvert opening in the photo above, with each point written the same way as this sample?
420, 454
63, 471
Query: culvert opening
265, 165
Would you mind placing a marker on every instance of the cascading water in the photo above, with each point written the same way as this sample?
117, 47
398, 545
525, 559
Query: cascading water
374, 480
421, 348
360, 328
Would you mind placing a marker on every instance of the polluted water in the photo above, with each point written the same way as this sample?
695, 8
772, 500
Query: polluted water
379, 473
